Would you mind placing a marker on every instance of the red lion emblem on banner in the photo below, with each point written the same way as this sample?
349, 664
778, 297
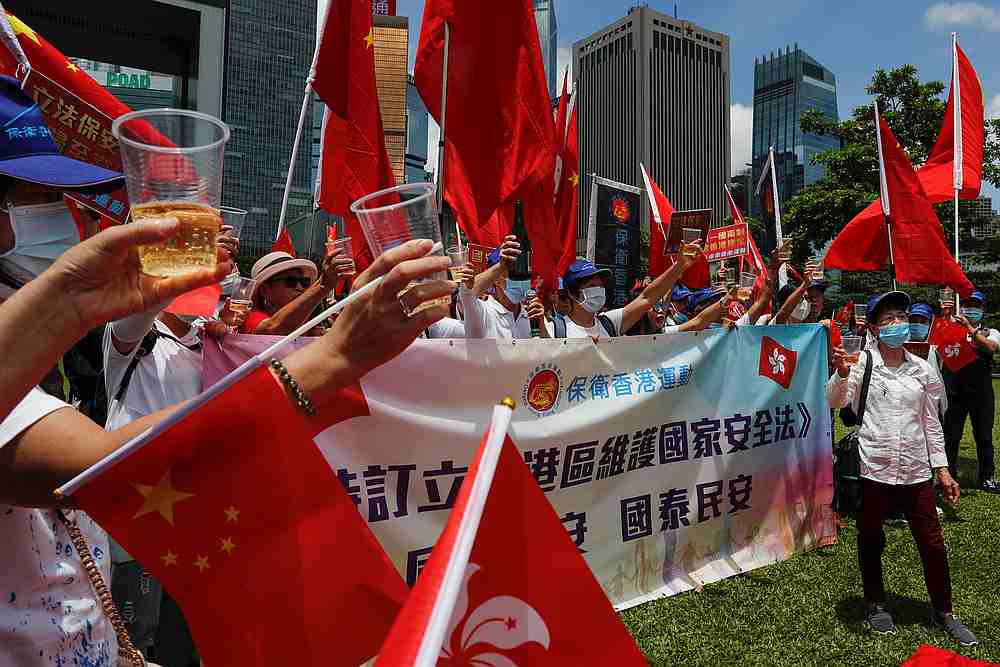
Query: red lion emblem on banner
620, 209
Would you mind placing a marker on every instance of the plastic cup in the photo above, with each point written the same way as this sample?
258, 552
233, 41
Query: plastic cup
852, 346
947, 297
240, 300
690, 235
235, 218
459, 259
172, 160
784, 252
347, 246
396, 215
747, 281
860, 313
818, 274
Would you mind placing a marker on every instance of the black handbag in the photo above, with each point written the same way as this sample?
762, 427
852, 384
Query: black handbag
847, 459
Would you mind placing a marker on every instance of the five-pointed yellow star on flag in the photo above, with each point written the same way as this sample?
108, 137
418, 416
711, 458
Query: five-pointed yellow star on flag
370, 38
72, 66
160, 498
202, 563
227, 545
232, 514
21, 28
574, 179
169, 558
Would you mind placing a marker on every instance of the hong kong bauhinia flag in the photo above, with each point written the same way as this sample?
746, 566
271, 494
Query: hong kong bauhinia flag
353, 161
505, 584
236, 512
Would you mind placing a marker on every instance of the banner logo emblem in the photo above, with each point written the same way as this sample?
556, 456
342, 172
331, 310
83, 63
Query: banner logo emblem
777, 362
620, 209
542, 392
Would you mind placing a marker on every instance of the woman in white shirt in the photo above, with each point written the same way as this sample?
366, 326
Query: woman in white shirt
901, 451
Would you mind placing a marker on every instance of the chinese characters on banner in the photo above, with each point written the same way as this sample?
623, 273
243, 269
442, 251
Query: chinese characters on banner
383, 7
700, 219
726, 242
82, 133
666, 473
618, 239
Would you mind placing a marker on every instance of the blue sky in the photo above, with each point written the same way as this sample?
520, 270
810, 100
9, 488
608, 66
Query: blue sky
850, 37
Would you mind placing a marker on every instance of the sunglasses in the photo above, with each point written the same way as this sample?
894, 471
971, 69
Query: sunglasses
292, 281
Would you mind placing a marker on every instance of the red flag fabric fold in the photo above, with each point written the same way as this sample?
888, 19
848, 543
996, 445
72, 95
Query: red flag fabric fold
284, 243
499, 130
660, 211
197, 506
525, 606
567, 195
354, 161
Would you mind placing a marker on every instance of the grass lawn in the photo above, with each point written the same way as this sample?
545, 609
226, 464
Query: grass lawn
809, 610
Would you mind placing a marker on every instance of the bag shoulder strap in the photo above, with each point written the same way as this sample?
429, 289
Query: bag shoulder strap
145, 348
608, 325
865, 383
559, 325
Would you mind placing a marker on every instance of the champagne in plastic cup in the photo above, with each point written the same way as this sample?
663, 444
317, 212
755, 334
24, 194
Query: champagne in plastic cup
784, 253
241, 299
172, 160
947, 297
690, 235
818, 274
852, 347
347, 246
459, 259
860, 313
235, 218
747, 281
396, 215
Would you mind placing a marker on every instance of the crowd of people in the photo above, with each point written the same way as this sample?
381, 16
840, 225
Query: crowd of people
57, 290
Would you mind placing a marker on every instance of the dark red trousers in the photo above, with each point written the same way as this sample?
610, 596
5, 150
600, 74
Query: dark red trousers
917, 503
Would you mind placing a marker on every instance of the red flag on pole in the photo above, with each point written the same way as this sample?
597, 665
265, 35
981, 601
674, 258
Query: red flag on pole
500, 129
478, 602
919, 251
353, 161
199, 507
567, 195
284, 243
660, 211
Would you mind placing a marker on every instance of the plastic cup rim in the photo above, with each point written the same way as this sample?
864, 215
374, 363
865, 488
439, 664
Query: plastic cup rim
357, 206
232, 209
171, 150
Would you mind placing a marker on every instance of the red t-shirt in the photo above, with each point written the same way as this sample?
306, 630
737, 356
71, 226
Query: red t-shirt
253, 320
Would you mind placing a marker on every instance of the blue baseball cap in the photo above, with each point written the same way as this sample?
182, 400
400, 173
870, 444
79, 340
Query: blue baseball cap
922, 310
818, 284
494, 257
580, 270
703, 298
680, 293
29, 153
896, 298
977, 296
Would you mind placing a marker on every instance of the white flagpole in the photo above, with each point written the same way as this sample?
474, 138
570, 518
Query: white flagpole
13, 45
884, 194
779, 235
144, 438
302, 121
458, 560
444, 116
957, 146
652, 203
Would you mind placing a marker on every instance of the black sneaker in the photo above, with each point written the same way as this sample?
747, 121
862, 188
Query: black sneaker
955, 628
990, 486
880, 621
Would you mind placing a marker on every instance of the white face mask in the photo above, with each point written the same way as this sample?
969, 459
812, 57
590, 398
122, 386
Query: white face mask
800, 313
42, 232
593, 299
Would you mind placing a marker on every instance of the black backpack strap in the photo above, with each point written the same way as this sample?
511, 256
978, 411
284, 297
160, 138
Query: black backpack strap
145, 347
559, 325
608, 325
865, 383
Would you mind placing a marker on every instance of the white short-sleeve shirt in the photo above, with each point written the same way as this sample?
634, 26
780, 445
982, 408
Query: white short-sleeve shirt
574, 330
49, 614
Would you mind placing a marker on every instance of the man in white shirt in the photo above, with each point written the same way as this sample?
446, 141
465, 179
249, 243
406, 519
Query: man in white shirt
505, 314
901, 448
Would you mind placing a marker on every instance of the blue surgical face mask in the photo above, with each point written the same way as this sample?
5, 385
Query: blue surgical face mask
680, 318
918, 332
715, 325
42, 232
593, 299
517, 289
894, 335
974, 315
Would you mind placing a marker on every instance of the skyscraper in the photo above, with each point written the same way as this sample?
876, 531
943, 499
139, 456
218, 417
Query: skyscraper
655, 89
787, 85
391, 51
269, 50
416, 135
545, 18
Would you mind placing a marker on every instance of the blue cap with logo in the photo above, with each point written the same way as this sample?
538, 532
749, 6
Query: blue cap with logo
29, 153
703, 298
922, 310
580, 270
680, 293
977, 296
895, 298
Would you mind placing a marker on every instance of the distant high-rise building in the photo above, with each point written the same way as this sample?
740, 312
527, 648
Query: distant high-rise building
416, 135
391, 53
655, 89
545, 17
786, 86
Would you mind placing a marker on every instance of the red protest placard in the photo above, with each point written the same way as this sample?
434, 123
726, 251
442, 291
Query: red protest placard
726, 242
83, 133
699, 219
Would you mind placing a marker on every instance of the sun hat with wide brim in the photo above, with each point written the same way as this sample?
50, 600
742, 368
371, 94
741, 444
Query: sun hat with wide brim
277, 262
29, 153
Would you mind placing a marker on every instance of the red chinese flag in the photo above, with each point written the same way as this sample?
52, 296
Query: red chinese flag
843, 316
353, 162
237, 513
777, 362
932, 656
956, 161
202, 302
952, 341
499, 130
567, 196
660, 210
284, 243
919, 251
536, 604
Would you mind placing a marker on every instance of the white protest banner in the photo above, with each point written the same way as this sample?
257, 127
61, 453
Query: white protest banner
673, 460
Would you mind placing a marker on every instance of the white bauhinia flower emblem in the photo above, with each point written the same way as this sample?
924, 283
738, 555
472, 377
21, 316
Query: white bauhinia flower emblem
493, 627
777, 361
952, 350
